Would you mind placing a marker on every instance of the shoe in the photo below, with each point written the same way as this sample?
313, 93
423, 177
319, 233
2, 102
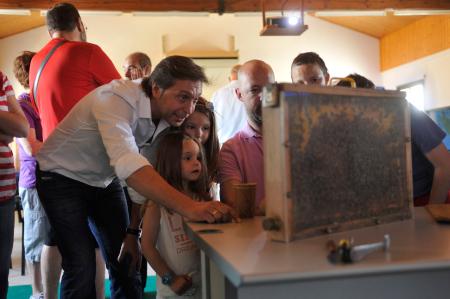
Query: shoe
39, 296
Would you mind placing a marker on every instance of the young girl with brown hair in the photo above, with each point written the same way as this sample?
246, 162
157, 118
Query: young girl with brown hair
165, 245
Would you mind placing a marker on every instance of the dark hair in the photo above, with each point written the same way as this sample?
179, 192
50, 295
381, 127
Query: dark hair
361, 82
171, 69
310, 58
62, 17
168, 164
211, 146
22, 68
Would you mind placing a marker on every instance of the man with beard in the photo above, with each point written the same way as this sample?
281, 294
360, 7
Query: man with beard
241, 157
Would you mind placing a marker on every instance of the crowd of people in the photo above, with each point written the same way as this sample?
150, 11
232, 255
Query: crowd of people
110, 168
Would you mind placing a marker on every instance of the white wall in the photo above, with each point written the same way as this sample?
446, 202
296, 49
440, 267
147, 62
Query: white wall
434, 69
343, 50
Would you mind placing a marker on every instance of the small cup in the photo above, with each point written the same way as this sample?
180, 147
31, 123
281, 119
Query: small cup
244, 199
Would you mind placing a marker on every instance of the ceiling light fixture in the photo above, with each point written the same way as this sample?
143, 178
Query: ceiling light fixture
15, 12
169, 14
350, 13
420, 12
100, 13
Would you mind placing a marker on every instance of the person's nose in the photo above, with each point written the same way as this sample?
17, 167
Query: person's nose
198, 133
259, 96
197, 162
189, 107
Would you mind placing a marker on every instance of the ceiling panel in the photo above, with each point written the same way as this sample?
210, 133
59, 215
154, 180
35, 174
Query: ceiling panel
373, 26
232, 5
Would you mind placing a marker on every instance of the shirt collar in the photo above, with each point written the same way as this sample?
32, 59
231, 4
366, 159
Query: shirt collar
144, 109
249, 132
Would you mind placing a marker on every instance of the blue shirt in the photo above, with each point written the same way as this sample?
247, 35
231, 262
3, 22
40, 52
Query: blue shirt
425, 136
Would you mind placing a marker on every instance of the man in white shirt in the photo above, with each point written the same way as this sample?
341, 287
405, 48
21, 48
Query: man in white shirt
96, 145
229, 111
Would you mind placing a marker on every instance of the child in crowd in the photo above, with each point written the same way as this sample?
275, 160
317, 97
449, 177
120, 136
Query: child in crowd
171, 254
201, 125
36, 224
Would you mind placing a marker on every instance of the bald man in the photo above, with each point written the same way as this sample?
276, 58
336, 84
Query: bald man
241, 158
137, 65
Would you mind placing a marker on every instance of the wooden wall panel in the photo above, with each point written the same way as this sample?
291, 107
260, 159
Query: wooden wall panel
417, 40
373, 26
15, 24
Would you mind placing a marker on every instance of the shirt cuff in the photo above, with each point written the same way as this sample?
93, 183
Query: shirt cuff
128, 164
136, 197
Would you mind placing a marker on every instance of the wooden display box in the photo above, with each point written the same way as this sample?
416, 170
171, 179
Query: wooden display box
335, 159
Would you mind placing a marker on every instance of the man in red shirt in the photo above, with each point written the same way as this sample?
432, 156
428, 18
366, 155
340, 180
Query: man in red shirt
73, 70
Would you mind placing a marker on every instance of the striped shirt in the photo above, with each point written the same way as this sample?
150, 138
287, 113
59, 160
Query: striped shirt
7, 171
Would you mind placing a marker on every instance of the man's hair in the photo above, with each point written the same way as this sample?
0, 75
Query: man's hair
361, 82
142, 58
310, 58
171, 69
62, 17
22, 68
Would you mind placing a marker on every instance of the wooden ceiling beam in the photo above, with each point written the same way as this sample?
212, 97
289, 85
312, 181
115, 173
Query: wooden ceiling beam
230, 5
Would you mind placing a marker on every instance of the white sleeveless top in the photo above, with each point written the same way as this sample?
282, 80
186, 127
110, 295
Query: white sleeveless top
180, 254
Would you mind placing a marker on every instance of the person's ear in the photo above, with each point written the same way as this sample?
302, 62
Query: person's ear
327, 78
156, 91
238, 93
146, 70
80, 25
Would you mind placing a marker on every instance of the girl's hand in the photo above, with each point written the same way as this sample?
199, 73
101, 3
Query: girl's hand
180, 284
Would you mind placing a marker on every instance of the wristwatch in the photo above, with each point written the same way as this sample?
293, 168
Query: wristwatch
134, 232
167, 279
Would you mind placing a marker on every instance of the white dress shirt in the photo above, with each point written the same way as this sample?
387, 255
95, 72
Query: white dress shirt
229, 111
99, 139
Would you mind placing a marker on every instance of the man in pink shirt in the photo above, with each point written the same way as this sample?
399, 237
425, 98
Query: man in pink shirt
241, 157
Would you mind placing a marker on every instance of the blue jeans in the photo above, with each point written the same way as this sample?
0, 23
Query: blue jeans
6, 242
74, 209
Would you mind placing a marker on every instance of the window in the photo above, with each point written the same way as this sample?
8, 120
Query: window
414, 93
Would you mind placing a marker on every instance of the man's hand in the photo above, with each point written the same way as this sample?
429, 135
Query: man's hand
180, 284
130, 254
212, 211
136, 73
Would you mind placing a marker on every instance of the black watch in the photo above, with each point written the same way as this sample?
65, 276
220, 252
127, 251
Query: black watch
134, 232
167, 279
